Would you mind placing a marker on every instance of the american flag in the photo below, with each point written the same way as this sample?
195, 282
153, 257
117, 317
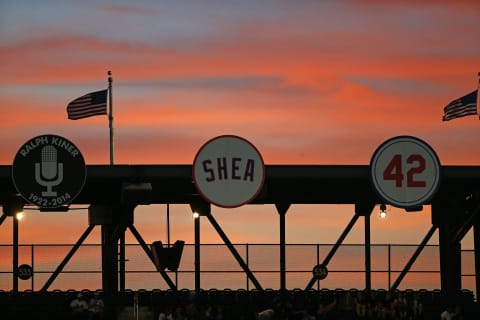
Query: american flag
463, 106
91, 104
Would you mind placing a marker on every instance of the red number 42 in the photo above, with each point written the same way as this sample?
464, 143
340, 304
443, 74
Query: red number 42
394, 170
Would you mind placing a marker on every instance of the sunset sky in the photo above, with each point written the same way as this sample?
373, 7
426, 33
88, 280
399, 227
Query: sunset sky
307, 82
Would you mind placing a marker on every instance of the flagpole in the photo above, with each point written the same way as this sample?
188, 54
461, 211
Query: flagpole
478, 96
110, 115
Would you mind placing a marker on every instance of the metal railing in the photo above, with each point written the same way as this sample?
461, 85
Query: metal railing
219, 269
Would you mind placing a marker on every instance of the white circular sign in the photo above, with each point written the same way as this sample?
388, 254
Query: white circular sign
405, 172
228, 171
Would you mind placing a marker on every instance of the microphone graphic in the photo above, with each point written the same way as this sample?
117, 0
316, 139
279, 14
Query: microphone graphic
49, 173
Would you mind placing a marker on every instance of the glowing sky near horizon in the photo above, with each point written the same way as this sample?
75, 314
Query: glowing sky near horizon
307, 82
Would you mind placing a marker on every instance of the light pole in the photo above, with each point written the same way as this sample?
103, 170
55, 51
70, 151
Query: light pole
15, 253
199, 208
196, 219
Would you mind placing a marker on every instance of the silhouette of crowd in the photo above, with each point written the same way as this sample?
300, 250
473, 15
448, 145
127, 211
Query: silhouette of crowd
243, 304
309, 305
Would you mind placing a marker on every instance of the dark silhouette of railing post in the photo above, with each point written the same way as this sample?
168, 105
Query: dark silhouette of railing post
15, 254
197, 253
282, 211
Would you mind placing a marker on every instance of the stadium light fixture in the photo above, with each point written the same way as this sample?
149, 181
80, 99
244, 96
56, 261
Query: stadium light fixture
13, 205
383, 211
199, 207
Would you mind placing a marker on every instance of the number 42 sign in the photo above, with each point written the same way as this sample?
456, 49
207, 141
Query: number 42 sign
405, 172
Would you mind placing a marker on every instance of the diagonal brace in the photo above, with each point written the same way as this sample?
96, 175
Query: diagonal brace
67, 258
150, 255
235, 253
462, 231
414, 257
335, 247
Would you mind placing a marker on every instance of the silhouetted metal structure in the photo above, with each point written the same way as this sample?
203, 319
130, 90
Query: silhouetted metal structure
113, 192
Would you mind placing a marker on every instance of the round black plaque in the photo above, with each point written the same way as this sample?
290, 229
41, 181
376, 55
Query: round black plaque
49, 171
25, 271
320, 272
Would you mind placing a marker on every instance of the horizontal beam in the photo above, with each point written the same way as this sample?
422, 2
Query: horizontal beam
296, 184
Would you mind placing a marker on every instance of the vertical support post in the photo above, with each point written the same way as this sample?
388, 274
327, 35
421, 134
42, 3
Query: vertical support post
247, 258
450, 262
450, 249
389, 266
197, 254
109, 269
121, 260
365, 209
318, 262
283, 277
282, 211
15, 253
368, 258
110, 115
168, 225
476, 246
32, 263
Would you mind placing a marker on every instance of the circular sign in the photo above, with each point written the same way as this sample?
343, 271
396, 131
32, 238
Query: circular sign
25, 271
320, 272
228, 171
405, 172
49, 171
